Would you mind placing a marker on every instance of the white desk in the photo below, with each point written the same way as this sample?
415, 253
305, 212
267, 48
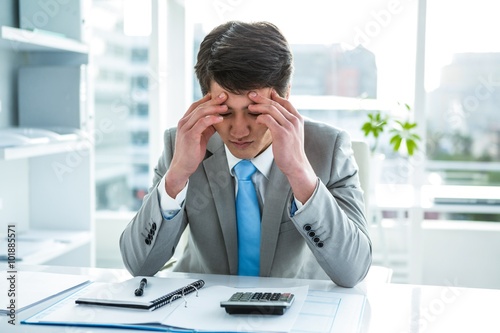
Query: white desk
390, 308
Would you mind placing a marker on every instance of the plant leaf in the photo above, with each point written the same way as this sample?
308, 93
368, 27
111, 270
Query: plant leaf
411, 146
396, 142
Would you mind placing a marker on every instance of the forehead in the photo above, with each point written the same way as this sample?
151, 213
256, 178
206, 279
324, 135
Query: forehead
216, 89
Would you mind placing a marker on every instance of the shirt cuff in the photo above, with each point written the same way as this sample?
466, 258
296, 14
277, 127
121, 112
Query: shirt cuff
296, 205
170, 206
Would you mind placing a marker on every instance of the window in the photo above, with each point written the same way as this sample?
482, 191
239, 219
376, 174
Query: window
350, 57
463, 96
120, 64
462, 83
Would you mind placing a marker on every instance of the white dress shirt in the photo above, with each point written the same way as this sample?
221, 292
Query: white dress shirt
263, 162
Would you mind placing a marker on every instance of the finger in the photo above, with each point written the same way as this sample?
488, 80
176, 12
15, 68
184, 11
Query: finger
203, 119
285, 103
205, 125
208, 99
292, 114
261, 100
210, 107
271, 111
268, 121
268, 106
193, 106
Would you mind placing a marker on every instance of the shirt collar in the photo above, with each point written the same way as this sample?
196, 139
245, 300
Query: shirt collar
262, 162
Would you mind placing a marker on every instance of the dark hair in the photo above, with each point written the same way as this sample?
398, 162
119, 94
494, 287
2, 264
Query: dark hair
243, 56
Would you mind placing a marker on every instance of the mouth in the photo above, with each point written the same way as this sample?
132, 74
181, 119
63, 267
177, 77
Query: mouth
241, 144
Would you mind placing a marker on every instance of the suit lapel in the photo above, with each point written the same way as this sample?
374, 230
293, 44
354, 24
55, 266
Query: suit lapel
222, 187
277, 196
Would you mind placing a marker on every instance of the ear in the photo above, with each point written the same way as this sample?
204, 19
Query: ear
287, 93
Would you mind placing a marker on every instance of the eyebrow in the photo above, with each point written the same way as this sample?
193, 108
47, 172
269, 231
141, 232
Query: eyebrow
245, 108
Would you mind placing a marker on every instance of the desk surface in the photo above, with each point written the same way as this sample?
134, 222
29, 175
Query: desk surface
390, 308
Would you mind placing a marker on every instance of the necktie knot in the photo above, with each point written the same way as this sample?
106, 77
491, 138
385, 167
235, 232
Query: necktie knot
244, 170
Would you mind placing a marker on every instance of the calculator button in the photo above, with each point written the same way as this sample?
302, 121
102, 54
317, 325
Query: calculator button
275, 297
246, 296
265, 297
256, 296
236, 297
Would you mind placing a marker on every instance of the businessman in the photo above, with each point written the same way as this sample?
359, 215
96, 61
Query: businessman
263, 191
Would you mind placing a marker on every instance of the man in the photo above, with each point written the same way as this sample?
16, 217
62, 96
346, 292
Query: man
307, 204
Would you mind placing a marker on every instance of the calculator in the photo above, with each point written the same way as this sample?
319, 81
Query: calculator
266, 303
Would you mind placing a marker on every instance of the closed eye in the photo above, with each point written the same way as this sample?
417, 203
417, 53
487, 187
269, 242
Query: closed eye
254, 114
225, 114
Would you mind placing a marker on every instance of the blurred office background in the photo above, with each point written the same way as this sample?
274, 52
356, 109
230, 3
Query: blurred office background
433, 216
358, 56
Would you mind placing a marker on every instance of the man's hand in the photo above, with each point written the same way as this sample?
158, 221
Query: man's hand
193, 132
287, 129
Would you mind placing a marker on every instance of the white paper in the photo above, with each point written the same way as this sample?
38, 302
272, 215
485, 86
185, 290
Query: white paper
34, 287
204, 313
326, 311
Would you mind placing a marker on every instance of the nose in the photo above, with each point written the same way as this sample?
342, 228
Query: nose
240, 126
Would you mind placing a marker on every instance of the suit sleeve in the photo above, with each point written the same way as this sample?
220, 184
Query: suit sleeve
333, 220
149, 240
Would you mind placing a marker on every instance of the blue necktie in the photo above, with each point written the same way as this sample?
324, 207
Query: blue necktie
248, 218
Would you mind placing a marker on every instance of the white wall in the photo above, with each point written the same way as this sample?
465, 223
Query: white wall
462, 254
109, 227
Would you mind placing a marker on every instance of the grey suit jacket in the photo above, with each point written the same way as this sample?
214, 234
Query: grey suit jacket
326, 239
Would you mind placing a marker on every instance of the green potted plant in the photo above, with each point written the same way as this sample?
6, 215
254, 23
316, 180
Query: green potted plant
401, 131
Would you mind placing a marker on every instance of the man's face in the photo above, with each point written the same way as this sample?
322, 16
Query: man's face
239, 131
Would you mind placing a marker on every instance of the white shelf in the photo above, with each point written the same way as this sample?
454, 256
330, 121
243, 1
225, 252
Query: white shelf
36, 154
26, 151
402, 198
464, 208
36, 247
25, 40
331, 102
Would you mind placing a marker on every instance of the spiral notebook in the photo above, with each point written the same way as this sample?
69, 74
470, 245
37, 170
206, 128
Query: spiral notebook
156, 293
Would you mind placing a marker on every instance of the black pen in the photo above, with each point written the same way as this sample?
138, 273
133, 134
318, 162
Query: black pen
139, 291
